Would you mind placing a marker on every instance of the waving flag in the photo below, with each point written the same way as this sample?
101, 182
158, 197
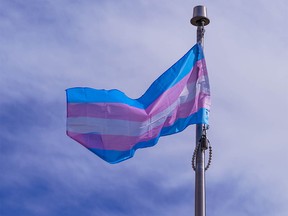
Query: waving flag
114, 126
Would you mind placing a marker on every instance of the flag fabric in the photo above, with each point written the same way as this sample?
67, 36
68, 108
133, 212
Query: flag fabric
114, 126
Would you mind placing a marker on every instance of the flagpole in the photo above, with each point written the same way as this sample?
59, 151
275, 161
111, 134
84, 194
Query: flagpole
200, 20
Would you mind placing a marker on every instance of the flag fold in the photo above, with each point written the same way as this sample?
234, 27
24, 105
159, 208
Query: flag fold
114, 126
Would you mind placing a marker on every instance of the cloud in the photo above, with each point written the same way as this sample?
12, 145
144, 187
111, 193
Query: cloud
49, 46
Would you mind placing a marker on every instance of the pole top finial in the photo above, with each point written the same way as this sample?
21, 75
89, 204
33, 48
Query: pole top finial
199, 16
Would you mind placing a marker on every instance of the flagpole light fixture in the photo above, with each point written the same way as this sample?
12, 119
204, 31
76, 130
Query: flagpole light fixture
199, 16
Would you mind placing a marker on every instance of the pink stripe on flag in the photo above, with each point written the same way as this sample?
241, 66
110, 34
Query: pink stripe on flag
188, 109
106, 110
113, 142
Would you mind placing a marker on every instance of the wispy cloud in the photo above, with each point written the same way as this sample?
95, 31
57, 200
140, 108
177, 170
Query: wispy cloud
49, 46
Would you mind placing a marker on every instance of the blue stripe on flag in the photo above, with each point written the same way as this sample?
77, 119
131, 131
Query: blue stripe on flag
167, 80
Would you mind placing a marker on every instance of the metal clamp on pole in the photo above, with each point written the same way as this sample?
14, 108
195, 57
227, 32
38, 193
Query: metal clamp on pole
204, 142
200, 20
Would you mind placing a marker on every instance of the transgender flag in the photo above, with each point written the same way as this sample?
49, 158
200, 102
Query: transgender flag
114, 126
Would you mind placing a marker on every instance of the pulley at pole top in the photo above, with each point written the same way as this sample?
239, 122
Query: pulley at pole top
200, 16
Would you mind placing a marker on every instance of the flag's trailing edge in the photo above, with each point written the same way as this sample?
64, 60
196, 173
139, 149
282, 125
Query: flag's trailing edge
114, 126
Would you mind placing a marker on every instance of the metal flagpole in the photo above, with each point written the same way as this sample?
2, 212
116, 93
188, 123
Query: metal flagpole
200, 20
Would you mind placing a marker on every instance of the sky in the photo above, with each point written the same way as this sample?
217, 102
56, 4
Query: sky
48, 46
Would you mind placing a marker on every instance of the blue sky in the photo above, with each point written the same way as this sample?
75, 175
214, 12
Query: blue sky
48, 46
